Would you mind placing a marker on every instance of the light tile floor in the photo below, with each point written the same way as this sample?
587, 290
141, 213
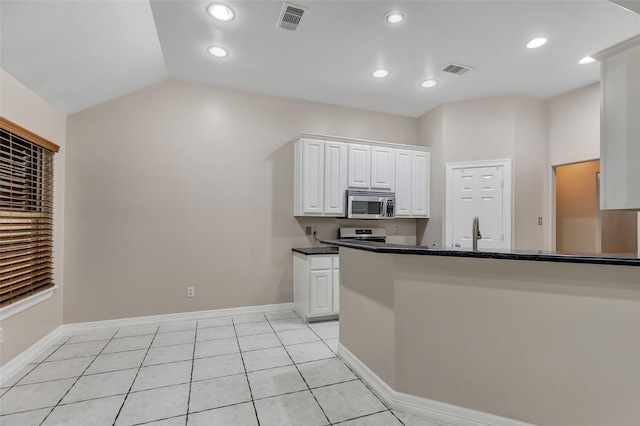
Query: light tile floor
245, 370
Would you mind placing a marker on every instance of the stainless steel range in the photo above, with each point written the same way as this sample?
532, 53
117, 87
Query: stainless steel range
363, 234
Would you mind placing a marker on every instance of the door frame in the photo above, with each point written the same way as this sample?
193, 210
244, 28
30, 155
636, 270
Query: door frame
506, 195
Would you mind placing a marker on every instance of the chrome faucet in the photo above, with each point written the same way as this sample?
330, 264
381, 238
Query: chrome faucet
476, 233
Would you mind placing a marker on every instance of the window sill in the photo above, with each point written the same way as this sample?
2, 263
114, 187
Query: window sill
21, 305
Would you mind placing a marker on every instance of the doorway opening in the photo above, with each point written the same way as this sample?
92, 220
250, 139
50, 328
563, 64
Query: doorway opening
580, 224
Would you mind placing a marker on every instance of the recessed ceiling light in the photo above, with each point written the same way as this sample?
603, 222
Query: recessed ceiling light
536, 42
429, 83
217, 51
394, 16
380, 73
221, 12
586, 60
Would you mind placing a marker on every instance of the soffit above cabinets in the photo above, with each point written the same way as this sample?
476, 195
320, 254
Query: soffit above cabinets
77, 54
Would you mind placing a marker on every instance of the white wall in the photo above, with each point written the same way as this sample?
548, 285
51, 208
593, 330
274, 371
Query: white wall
23, 107
182, 185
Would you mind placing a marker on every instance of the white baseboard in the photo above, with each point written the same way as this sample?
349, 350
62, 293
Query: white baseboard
85, 327
30, 354
22, 360
428, 409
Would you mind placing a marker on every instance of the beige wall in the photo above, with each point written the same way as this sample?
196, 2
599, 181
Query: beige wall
574, 126
502, 127
182, 185
430, 134
531, 183
541, 342
23, 107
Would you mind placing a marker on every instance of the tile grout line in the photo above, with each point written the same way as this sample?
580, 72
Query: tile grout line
78, 378
298, 370
360, 417
246, 374
134, 379
193, 361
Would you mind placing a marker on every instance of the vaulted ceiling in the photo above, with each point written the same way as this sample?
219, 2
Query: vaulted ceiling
77, 54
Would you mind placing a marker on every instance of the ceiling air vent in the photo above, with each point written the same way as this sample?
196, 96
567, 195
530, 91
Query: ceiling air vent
290, 16
457, 69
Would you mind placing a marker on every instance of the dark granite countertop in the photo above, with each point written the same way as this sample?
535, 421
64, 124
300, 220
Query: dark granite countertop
310, 251
630, 259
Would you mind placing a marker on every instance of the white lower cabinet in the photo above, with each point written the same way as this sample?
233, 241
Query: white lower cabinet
315, 287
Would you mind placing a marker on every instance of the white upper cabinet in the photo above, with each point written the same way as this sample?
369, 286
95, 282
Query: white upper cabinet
382, 168
420, 167
620, 126
335, 178
309, 171
412, 183
403, 183
325, 167
359, 170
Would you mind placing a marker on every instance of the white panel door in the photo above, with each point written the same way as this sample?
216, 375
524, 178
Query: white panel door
312, 176
335, 178
420, 184
478, 191
320, 292
359, 170
336, 291
403, 183
382, 168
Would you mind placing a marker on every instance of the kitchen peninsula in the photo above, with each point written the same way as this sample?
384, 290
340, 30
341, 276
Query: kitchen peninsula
494, 338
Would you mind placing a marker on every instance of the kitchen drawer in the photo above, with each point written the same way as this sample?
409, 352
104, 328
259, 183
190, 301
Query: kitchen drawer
336, 262
320, 262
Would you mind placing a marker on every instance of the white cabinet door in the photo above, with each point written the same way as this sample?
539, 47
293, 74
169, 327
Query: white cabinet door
620, 127
359, 170
382, 168
403, 183
320, 292
336, 291
312, 176
420, 184
335, 178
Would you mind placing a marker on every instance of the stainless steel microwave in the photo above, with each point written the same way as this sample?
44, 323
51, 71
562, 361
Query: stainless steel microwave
370, 204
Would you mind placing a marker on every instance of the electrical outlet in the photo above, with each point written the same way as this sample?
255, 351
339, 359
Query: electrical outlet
311, 230
314, 230
1, 335
191, 291
540, 220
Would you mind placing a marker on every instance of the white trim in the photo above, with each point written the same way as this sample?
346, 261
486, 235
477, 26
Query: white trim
84, 327
430, 410
507, 204
22, 360
330, 138
22, 304
30, 354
